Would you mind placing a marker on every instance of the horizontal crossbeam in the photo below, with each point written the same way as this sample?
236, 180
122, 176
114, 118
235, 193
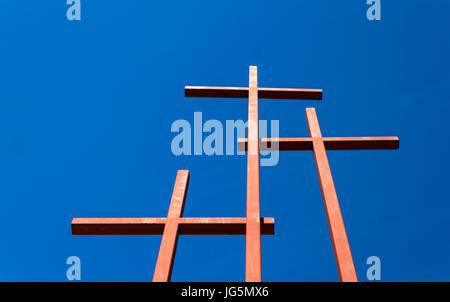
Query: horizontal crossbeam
331, 143
155, 226
263, 93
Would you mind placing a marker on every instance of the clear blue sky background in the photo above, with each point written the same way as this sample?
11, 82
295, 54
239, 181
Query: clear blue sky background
86, 109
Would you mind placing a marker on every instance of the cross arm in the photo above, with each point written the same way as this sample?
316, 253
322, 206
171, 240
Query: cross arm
263, 93
155, 226
331, 143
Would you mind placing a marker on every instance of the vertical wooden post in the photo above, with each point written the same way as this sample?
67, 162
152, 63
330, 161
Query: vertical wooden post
253, 228
341, 247
167, 250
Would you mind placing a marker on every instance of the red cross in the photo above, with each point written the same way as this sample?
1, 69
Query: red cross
252, 92
319, 145
170, 227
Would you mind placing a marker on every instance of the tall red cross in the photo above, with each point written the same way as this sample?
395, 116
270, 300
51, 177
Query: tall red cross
319, 145
170, 227
252, 92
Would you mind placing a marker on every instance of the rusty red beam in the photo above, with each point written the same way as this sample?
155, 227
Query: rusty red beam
253, 93
331, 143
341, 246
243, 93
173, 226
168, 247
253, 227
319, 145
155, 226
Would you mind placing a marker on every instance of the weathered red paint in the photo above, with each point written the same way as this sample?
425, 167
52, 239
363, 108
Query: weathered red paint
341, 247
168, 247
331, 143
253, 93
253, 237
155, 226
319, 145
252, 226
243, 92
170, 227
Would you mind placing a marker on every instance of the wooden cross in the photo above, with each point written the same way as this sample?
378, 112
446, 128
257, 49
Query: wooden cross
319, 145
170, 227
252, 92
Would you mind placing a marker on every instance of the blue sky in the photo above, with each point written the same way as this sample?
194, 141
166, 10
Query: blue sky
85, 114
